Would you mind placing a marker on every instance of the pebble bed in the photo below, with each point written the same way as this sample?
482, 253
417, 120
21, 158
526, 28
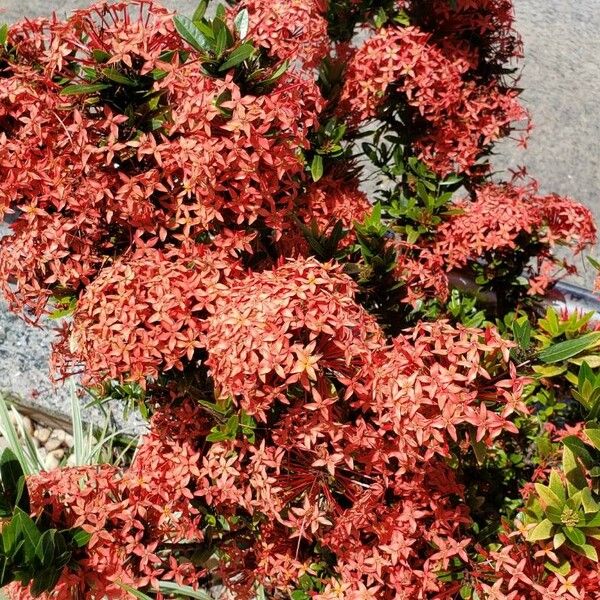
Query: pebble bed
54, 445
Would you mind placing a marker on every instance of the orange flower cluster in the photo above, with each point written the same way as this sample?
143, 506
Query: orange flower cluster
352, 458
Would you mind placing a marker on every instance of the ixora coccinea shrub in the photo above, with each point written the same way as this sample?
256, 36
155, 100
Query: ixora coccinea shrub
330, 415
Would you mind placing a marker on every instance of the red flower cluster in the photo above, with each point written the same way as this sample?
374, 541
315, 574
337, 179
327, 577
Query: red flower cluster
503, 218
145, 313
89, 182
133, 516
355, 463
519, 573
297, 325
455, 115
290, 30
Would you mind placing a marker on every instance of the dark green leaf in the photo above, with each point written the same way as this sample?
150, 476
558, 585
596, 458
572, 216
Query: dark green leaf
29, 532
238, 56
223, 39
580, 449
44, 550
188, 30
45, 581
522, 332
9, 537
117, 77
100, 56
13, 481
200, 10
81, 538
91, 88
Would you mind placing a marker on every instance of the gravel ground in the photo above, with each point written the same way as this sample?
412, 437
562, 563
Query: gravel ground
562, 90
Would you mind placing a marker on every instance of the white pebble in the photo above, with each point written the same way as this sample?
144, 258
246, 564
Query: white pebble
59, 434
52, 461
53, 443
28, 425
42, 434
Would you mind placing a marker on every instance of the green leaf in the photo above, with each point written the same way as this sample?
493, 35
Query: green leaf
542, 531
45, 581
593, 360
548, 371
568, 349
594, 263
316, 168
3, 34
563, 568
594, 436
580, 450
200, 11
574, 535
188, 30
9, 537
556, 485
44, 550
522, 332
14, 488
28, 529
587, 501
100, 56
88, 88
223, 39
238, 56
559, 539
241, 23
117, 77
548, 496
81, 538
588, 551
169, 587
572, 470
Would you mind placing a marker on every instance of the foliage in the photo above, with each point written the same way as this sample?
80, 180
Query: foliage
332, 413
